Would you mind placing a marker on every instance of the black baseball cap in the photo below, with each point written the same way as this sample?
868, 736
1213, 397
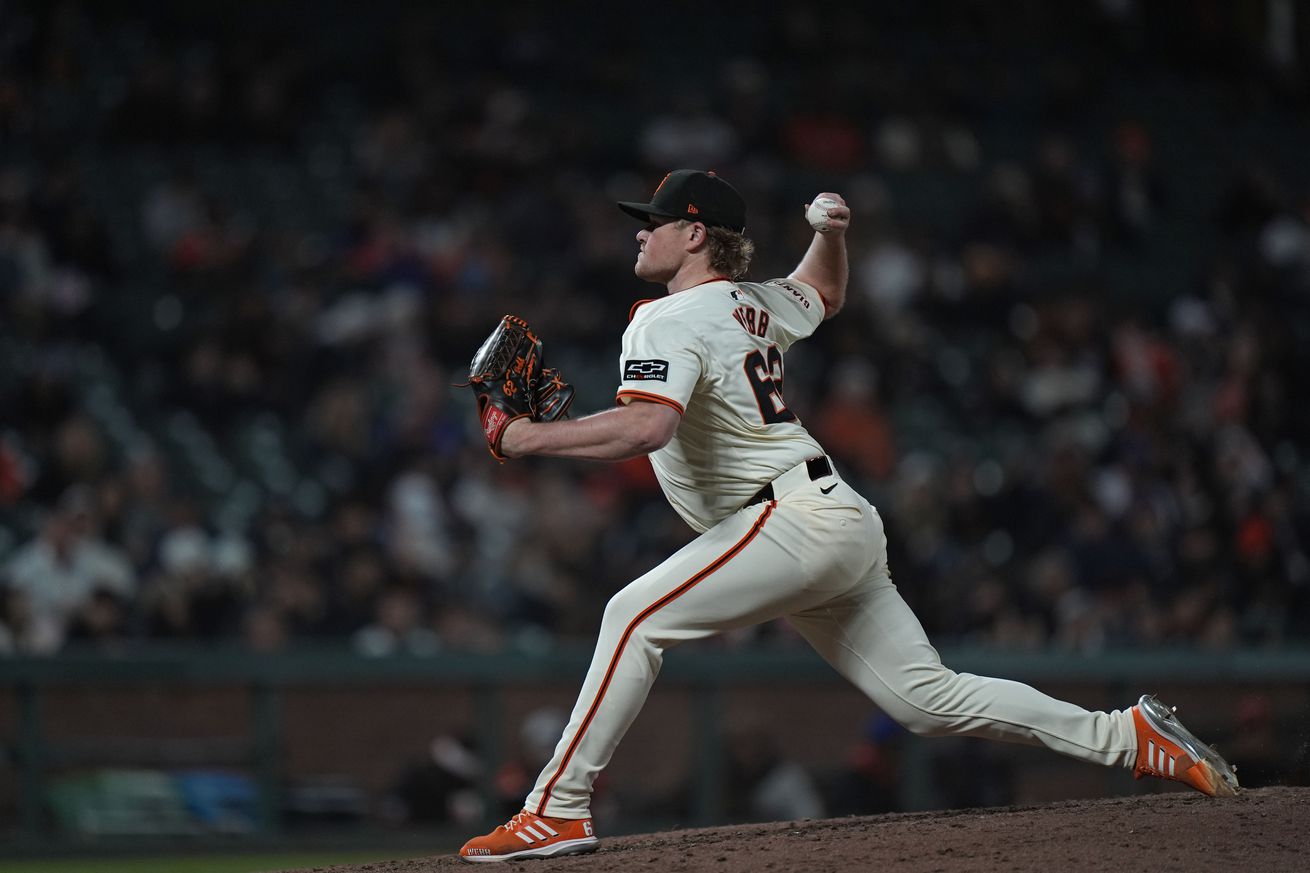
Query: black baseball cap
696, 196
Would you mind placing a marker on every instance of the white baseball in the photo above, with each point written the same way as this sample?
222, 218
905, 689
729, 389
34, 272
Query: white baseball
817, 214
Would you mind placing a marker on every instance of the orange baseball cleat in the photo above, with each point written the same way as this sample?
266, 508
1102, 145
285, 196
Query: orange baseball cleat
532, 836
1168, 750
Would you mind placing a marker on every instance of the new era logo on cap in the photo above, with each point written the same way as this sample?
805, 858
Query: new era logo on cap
694, 195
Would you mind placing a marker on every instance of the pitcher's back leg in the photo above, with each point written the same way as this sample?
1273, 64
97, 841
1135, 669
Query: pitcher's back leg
873, 638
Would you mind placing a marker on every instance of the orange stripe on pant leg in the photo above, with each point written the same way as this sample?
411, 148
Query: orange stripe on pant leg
627, 634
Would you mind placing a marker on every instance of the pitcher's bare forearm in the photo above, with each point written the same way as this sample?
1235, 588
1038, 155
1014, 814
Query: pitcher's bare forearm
613, 435
825, 265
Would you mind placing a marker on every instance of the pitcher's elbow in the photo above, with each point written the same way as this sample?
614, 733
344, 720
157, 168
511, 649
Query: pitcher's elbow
645, 442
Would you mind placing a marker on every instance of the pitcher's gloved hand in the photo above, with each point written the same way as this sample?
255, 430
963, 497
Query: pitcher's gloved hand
553, 397
505, 375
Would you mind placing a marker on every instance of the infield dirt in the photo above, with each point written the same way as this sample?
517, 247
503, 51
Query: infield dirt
1262, 830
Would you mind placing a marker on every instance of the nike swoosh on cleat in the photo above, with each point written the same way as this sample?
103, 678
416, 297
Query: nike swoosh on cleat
829, 488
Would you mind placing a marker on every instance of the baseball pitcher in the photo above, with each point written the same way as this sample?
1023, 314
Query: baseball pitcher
701, 392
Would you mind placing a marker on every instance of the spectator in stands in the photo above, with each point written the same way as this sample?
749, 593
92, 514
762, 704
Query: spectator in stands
101, 622
762, 784
60, 572
871, 781
853, 424
400, 627
17, 634
439, 788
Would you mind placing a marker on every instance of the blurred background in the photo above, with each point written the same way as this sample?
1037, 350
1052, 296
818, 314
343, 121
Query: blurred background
259, 577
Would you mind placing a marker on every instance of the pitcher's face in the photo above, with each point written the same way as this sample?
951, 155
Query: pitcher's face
662, 247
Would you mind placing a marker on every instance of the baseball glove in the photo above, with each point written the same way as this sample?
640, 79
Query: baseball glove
553, 397
510, 382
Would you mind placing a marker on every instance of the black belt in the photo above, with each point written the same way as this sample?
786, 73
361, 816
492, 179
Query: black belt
816, 467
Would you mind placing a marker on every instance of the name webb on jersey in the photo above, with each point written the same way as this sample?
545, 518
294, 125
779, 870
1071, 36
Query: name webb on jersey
714, 353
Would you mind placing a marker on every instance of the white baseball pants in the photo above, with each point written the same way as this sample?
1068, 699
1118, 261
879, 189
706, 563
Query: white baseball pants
821, 560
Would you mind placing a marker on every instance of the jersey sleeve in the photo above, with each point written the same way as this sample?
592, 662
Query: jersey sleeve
798, 309
661, 361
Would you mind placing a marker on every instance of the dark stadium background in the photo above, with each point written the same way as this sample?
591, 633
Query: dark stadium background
247, 249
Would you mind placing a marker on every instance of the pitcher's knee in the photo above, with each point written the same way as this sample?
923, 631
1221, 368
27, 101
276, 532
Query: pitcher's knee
623, 618
623, 608
922, 708
924, 723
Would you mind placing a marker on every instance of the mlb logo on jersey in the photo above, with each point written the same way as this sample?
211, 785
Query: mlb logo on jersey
646, 371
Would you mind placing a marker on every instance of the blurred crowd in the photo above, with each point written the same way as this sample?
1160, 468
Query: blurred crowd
246, 255
762, 780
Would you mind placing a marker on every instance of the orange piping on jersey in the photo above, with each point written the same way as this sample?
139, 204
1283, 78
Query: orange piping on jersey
632, 626
632, 313
654, 398
828, 311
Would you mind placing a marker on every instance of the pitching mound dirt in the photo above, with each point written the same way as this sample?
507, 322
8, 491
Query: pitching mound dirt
1261, 830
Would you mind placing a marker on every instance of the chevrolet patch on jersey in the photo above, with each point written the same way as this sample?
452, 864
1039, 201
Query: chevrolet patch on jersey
646, 371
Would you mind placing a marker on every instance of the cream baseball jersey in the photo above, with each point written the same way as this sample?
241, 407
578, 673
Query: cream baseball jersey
714, 353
